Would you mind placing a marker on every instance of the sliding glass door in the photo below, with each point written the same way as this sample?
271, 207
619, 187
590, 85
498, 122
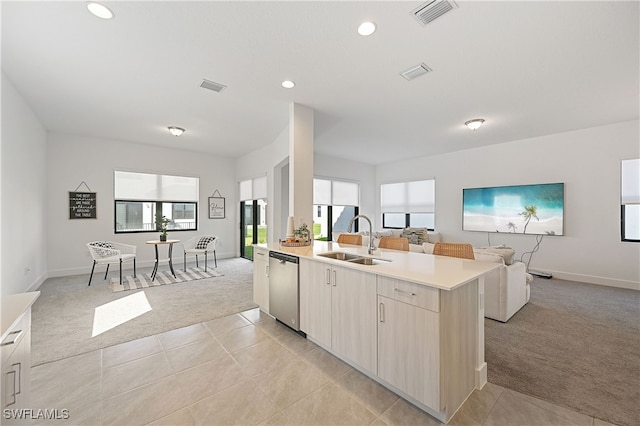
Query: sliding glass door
253, 226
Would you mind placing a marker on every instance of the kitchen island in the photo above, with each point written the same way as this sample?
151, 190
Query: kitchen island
414, 322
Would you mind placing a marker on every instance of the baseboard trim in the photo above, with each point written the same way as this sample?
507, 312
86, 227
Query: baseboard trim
590, 279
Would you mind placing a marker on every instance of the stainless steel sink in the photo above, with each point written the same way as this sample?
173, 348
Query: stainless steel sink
363, 261
339, 255
352, 258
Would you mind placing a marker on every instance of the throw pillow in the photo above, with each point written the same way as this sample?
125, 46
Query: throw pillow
428, 247
416, 235
203, 243
488, 257
104, 248
507, 253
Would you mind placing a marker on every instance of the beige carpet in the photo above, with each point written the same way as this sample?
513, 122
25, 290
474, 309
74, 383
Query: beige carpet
67, 320
574, 344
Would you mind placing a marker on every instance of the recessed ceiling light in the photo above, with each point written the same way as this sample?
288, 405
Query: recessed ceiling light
366, 28
475, 123
288, 84
176, 131
99, 10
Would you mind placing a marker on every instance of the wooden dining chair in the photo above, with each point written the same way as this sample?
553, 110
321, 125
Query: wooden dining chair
461, 250
355, 239
394, 243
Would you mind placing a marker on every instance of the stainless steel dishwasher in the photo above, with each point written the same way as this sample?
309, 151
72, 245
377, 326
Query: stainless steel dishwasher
283, 289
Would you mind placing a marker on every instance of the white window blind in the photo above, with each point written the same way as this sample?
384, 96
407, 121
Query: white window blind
408, 197
630, 197
246, 189
153, 187
260, 188
253, 189
630, 181
335, 193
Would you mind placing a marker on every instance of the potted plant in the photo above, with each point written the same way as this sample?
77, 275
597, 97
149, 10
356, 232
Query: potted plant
302, 234
162, 222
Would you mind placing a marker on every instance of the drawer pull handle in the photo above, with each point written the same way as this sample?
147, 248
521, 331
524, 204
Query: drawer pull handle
13, 393
406, 293
16, 336
381, 312
328, 276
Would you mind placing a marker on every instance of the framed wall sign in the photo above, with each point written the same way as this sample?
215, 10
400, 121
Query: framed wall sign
216, 208
82, 205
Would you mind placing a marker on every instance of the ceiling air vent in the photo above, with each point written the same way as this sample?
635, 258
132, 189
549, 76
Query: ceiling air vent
432, 10
211, 85
416, 71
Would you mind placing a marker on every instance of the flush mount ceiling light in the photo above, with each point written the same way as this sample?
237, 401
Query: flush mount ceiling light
366, 28
176, 131
474, 124
99, 10
288, 84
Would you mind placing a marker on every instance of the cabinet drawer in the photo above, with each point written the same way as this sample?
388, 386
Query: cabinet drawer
15, 335
413, 294
261, 252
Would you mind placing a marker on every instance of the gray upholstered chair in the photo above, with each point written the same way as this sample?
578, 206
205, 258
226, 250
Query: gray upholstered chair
200, 245
108, 252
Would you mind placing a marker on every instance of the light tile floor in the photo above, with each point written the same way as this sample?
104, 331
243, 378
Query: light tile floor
248, 369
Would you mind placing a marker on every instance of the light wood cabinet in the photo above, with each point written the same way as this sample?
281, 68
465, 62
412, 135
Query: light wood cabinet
337, 306
426, 342
15, 352
261, 278
408, 350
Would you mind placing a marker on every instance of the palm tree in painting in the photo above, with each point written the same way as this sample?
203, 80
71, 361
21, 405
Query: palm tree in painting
529, 212
512, 226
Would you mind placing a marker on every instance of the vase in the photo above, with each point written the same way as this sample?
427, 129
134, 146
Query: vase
163, 237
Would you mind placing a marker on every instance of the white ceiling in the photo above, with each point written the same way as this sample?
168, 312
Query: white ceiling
528, 68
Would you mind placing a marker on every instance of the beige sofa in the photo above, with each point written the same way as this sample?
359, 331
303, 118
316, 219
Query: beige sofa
506, 289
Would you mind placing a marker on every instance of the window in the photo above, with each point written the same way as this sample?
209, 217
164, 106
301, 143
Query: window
630, 200
335, 204
405, 204
253, 217
140, 197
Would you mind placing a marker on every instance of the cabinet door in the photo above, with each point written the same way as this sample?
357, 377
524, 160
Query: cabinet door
353, 316
261, 279
408, 350
315, 300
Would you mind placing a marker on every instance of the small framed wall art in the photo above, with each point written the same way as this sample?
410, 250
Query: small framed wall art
216, 207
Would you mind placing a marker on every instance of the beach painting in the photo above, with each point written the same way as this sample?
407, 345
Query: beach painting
519, 209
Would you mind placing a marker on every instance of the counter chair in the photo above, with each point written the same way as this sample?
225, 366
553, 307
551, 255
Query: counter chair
201, 245
108, 252
394, 243
461, 250
355, 239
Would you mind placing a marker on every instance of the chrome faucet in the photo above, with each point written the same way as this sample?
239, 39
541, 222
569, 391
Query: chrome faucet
361, 216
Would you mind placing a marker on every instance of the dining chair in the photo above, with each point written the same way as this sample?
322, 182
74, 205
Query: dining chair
108, 252
394, 243
461, 250
201, 245
355, 239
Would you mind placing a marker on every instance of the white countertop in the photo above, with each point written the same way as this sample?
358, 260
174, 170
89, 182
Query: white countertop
445, 273
13, 306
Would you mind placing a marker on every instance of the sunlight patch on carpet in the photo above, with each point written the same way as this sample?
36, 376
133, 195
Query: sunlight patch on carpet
113, 314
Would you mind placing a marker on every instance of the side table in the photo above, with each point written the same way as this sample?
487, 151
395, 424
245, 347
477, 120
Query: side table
157, 243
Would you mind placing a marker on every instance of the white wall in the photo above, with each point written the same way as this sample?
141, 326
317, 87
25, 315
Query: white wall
74, 159
264, 162
587, 161
23, 194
